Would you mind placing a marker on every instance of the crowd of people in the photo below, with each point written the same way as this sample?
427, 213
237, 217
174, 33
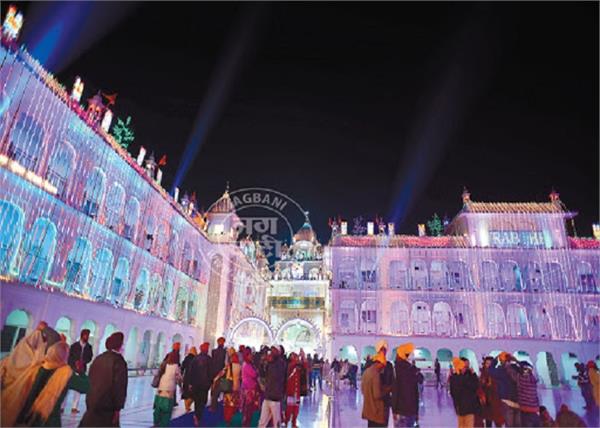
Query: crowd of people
264, 387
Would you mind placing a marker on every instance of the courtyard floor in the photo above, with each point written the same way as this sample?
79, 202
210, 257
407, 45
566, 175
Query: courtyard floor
322, 408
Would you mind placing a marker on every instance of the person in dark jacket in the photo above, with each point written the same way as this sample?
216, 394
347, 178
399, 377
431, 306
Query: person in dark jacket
387, 378
507, 390
185, 366
218, 362
527, 393
80, 354
108, 386
463, 389
491, 410
274, 390
405, 394
198, 380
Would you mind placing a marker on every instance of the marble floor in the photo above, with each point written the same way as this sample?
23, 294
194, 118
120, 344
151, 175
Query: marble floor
325, 408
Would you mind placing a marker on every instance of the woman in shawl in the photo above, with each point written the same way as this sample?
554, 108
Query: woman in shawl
231, 400
250, 389
29, 351
34, 398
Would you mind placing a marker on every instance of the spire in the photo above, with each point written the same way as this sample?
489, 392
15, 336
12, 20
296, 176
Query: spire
466, 195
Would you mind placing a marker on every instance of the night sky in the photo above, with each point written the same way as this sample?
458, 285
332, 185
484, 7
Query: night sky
355, 109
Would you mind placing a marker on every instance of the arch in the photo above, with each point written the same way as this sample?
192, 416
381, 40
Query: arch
120, 282
399, 318
141, 290
458, 276
188, 259
540, 322
523, 356
78, 265
167, 299
252, 336
102, 271
533, 277
443, 321
547, 369
108, 330
60, 167
465, 321
65, 326
181, 303
15, 328
94, 192
563, 323
510, 276
131, 347
131, 218
495, 321
347, 273
516, 319
555, 277
367, 351
347, 317
150, 231
418, 273
144, 354
115, 202
469, 354
38, 251
26, 142
421, 318
296, 334
568, 360
368, 316
422, 358
174, 249
192, 307
489, 276
444, 356
92, 327
586, 282
398, 274
159, 350
177, 338
349, 353
154, 295
11, 233
592, 323
438, 275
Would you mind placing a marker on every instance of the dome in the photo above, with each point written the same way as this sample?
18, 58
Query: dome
305, 233
223, 205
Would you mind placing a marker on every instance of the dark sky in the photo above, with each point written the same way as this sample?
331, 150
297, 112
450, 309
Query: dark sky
347, 106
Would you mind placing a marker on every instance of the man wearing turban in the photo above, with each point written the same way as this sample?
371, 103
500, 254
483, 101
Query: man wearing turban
373, 404
387, 377
405, 396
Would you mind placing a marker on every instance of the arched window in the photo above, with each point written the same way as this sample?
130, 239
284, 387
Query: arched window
94, 192
115, 201
347, 273
368, 316
188, 256
167, 299
592, 323
585, 278
174, 249
398, 275
101, 274
458, 276
78, 266
150, 231
443, 324
161, 246
155, 293
399, 319
60, 167
120, 283
141, 290
510, 276
26, 142
489, 276
347, 316
540, 322
438, 275
421, 318
418, 272
38, 251
516, 318
533, 277
15, 328
495, 321
108, 330
555, 277
563, 321
180, 304
64, 326
11, 233
465, 322
132, 214
191, 308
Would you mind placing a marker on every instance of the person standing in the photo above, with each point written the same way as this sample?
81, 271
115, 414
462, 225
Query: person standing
231, 399
373, 396
527, 394
198, 380
405, 394
250, 389
274, 390
438, 372
594, 377
165, 393
108, 377
317, 368
80, 354
185, 365
292, 390
463, 389
387, 378
218, 362
507, 390
492, 407
30, 351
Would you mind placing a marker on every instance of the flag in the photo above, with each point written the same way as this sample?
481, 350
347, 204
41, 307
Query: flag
110, 98
193, 198
162, 161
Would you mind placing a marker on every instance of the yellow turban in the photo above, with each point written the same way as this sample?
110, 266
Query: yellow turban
381, 344
380, 358
503, 356
458, 364
404, 350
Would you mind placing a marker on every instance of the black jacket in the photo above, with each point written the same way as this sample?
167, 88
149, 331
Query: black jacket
463, 389
108, 389
405, 395
199, 377
387, 383
75, 355
275, 380
218, 360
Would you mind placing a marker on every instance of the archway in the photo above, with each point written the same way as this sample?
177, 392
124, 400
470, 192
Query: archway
296, 334
349, 353
568, 360
91, 326
547, 370
145, 349
177, 338
469, 354
251, 331
367, 351
131, 347
159, 350
422, 358
108, 330
444, 356
494, 353
15, 328
64, 326
523, 356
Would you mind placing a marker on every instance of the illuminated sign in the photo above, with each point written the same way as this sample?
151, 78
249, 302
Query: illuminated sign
516, 239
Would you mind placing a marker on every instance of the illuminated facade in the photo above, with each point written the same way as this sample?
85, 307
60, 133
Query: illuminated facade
89, 238
501, 271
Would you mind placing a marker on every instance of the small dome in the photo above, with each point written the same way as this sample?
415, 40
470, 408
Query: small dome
224, 205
